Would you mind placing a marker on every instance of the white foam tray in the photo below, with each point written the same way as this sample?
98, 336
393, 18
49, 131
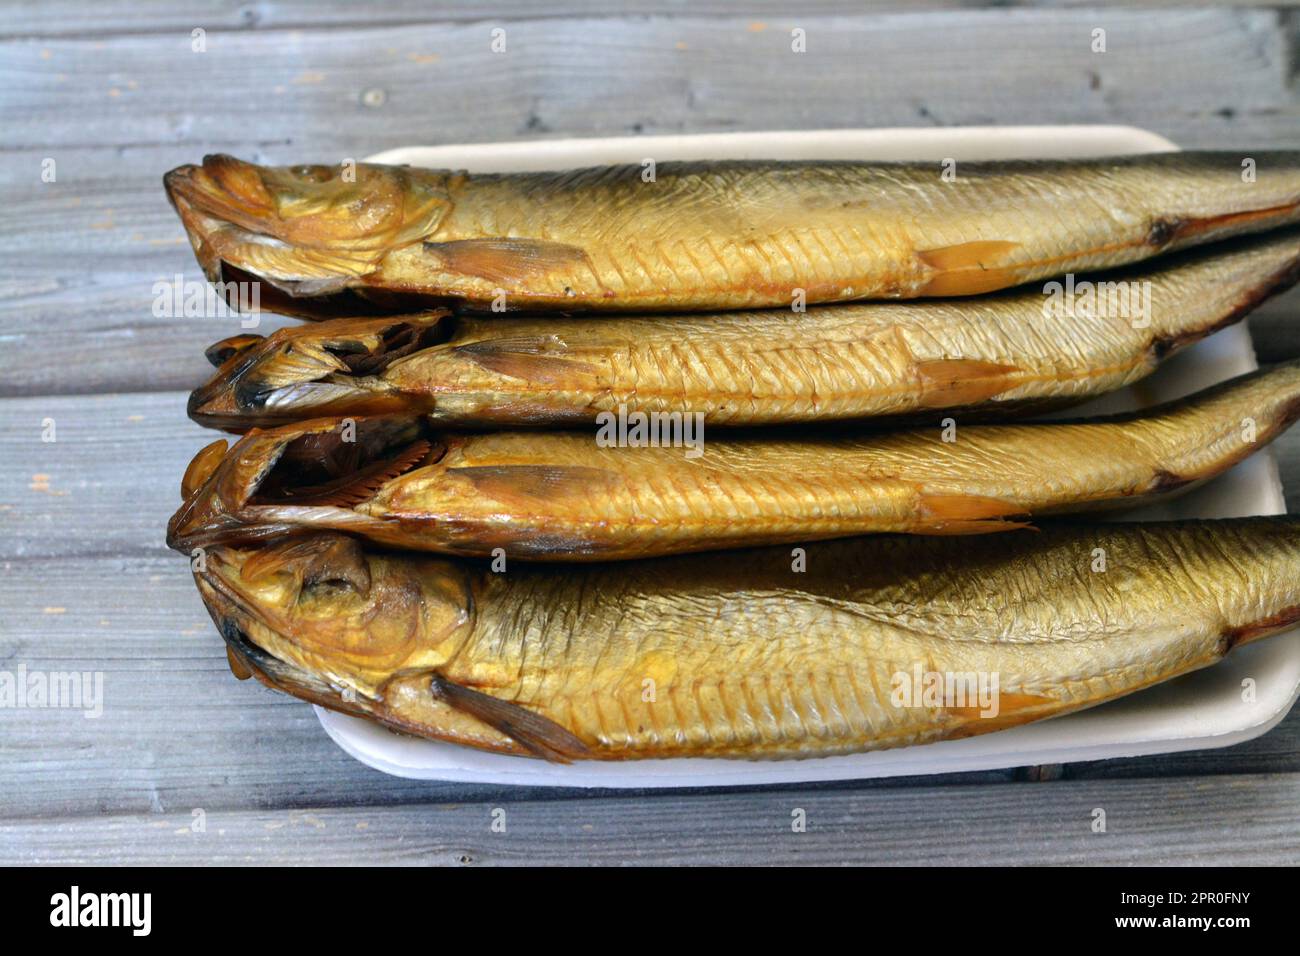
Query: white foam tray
1204, 709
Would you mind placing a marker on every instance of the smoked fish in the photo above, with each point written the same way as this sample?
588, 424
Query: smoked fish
995, 355
882, 642
674, 236
574, 496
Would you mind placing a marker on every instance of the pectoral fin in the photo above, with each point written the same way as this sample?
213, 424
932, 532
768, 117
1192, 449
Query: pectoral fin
966, 514
970, 268
1011, 710
947, 383
505, 260
539, 735
537, 482
529, 360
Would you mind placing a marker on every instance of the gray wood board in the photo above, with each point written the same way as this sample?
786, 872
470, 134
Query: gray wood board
117, 110
1222, 821
52, 18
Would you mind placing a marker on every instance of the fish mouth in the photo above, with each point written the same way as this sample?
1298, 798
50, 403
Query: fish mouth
332, 369
275, 482
243, 243
225, 188
222, 204
237, 620
284, 231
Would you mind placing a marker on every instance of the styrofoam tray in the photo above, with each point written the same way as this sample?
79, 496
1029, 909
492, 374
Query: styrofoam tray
1204, 709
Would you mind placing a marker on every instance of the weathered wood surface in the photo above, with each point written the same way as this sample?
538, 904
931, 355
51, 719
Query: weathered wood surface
114, 94
77, 18
1246, 820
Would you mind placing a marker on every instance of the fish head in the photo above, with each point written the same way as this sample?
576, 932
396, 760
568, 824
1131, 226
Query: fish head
278, 480
328, 368
316, 614
308, 230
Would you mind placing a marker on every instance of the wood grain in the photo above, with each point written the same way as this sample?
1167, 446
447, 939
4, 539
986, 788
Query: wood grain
54, 18
1226, 820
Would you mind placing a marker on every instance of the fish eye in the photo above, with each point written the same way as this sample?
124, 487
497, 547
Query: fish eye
327, 586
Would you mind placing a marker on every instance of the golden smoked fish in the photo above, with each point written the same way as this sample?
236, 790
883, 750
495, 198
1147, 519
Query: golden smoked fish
882, 641
720, 235
565, 496
1013, 352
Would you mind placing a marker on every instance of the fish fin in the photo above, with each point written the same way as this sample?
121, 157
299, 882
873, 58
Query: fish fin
1013, 709
966, 514
527, 359
322, 558
350, 490
1166, 230
1245, 633
218, 353
969, 268
237, 666
951, 382
543, 482
539, 735
201, 467
290, 365
505, 260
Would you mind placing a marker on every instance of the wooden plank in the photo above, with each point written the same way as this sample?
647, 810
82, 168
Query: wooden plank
53, 18
83, 253
1196, 74
105, 486
1224, 821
